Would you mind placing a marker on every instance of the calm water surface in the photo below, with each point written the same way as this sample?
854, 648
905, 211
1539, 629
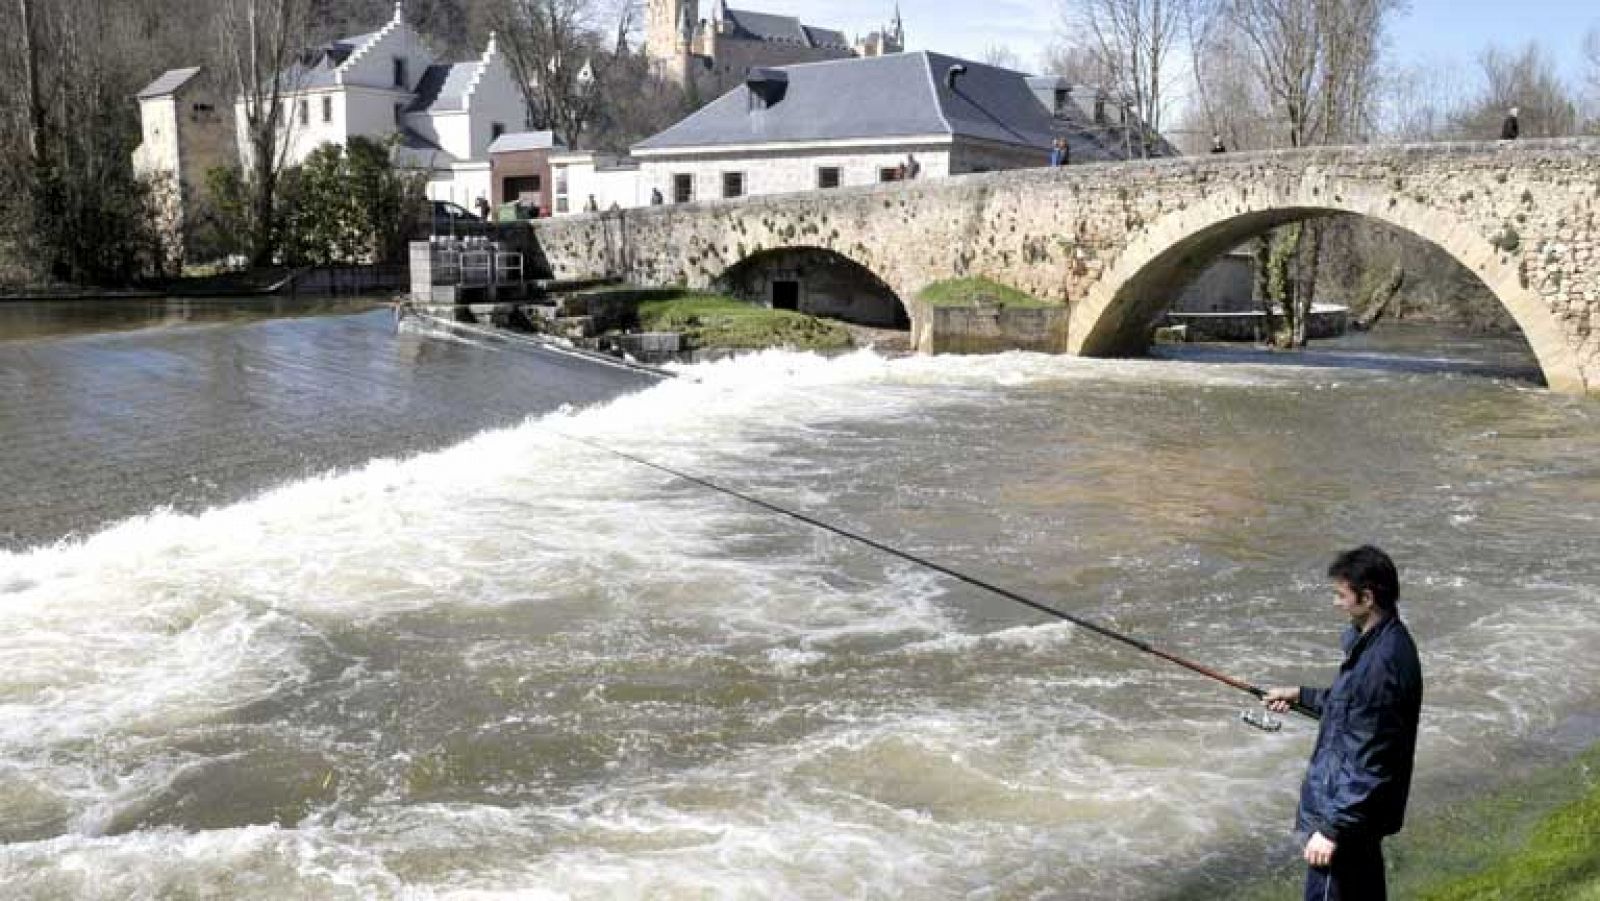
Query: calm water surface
515, 667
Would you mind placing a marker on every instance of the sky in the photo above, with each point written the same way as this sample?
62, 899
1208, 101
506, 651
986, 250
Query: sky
1433, 32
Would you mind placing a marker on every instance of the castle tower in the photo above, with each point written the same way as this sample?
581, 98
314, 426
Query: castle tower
668, 35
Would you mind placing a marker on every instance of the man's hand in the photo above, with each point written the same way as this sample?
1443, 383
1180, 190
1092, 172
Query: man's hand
1280, 697
1319, 851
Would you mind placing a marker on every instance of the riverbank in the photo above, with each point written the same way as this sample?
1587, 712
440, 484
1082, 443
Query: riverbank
715, 322
1535, 837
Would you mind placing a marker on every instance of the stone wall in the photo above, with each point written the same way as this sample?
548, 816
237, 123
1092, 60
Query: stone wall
987, 328
1117, 242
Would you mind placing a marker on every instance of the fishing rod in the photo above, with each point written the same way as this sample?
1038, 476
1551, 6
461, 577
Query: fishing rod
1260, 720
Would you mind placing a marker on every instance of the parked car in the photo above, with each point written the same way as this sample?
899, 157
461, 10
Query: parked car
455, 219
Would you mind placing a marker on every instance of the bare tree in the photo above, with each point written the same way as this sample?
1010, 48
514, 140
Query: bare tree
1525, 79
261, 43
1591, 56
1424, 102
1002, 56
1073, 61
33, 98
1132, 42
554, 49
1317, 61
1230, 100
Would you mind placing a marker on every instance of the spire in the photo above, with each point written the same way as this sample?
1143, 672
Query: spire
897, 28
399, 10
494, 45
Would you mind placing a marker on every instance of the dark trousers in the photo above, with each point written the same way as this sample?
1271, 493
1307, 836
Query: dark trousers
1355, 875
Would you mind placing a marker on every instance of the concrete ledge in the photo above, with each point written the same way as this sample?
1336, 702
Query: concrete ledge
987, 328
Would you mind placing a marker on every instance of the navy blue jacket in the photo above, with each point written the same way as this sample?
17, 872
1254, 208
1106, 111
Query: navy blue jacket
1360, 771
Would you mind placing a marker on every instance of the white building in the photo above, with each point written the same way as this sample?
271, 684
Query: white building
388, 82
847, 122
183, 134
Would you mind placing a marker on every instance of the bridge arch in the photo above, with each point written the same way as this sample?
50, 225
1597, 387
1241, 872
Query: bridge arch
1166, 254
818, 281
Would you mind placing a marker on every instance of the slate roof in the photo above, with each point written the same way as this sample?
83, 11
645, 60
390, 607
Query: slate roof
168, 83
443, 88
827, 37
901, 94
525, 140
767, 27
316, 67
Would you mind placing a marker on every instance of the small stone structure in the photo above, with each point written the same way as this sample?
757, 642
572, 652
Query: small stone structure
1117, 242
464, 270
985, 328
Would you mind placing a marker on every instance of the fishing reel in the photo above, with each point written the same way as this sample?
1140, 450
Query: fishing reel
1261, 719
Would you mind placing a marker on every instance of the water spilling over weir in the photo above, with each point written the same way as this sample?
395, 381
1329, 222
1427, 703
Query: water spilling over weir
514, 667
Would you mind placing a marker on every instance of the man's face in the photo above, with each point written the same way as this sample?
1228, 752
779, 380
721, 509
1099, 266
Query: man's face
1358, 607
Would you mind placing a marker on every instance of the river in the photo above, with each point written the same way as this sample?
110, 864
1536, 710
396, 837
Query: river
514, 666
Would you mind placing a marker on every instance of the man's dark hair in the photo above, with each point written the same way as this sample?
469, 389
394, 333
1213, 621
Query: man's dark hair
1368, 569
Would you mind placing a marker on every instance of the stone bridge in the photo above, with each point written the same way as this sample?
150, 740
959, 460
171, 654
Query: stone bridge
1117, 242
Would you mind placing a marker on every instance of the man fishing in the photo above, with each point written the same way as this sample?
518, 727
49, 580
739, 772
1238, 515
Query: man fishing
1356, 784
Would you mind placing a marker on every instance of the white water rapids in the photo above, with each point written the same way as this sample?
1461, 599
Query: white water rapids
518, 668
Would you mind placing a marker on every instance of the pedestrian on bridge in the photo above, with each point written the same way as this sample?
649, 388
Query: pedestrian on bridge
1509, 129
1359, 776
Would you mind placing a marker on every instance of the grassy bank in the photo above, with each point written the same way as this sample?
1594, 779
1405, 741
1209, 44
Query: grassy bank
966, 292
1535, 839
712, 321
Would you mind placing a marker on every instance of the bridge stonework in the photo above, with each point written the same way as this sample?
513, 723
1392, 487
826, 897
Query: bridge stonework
1117, 242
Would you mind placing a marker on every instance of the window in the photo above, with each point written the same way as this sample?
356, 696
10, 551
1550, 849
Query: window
327, 108
733, 184
1099, 111
683, 188
890, 173
400, 72
561, 189
399, 114
1063, 97
828, 177
305, 110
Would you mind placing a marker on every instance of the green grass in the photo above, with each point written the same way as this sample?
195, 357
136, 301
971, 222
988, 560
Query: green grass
965, 292
1537, 838
1558, 860
709, 320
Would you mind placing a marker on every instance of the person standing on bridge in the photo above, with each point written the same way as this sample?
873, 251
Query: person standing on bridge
1510, 129
1359, 777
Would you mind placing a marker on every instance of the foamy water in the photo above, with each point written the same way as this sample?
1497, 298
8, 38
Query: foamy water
523, 668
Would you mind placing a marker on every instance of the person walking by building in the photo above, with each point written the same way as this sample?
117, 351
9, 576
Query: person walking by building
482, 205
912, 168
1216, 144
1510, 129
1060, 154
1359, 777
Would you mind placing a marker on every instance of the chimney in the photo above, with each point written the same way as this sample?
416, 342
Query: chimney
767, 87
952, 73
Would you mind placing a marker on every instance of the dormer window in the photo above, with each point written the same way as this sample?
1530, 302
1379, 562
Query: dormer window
1063, 97
400, 72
